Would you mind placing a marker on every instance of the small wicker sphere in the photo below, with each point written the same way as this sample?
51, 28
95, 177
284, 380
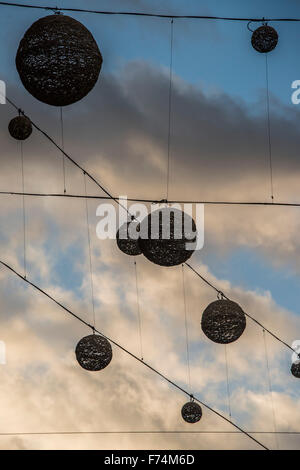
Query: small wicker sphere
223, 321
191, 412
295, 369
20, 128
167, 247
129, 245
58, 60
93, 352
264, 39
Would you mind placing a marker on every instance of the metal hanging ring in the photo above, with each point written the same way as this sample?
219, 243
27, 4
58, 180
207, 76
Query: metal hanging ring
57, 11
248, 27
264, 23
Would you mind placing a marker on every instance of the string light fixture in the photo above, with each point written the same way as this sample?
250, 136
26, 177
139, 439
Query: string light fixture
20, 128
93, 352
58, 60
295, 369
127, 238
191, 412
223, 321
264, 39
167, 236
150, 15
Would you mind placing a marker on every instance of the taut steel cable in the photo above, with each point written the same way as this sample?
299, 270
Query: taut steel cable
155, 201
150, 15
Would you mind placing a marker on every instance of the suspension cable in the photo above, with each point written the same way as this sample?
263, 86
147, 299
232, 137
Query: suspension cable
270, 387
227, 380
170, 107
269, 130
186, 330
138, 310
90, 252
23, 210
154, 201
151, 15
63, 147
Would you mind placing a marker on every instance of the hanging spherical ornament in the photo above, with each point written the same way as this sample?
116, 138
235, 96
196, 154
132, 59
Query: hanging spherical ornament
191, 412
223, 321
264, 39
93, 352
20, 128
295, 369
127, 238
167, 237
58, 60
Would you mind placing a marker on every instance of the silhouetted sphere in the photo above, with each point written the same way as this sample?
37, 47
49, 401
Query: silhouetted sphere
130, 245
167, 247
264, 39
223, 321
20, 128
58, 60
93, 352
295, 369
191, 412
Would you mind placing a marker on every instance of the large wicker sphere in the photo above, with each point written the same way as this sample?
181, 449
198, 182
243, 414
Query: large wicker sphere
295, 369
223, 321
167, 247
20, 128
129, 245
58, 60
264, 39
93, 352
191, 412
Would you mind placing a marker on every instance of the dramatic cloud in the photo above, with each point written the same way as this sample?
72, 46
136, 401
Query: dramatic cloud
218, 151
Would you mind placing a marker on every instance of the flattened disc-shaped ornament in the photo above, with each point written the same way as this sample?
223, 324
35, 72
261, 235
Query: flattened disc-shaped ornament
223, 321
127, 238
168, 237
58, 60
191, 412
295, 369
20, 128
93, 352
264, 39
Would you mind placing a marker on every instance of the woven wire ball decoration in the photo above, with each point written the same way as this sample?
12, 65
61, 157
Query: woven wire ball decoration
127, 238
223, 321
93, 352
58, 60
295, 369
264, 39
191, 412
167, 237
20, 128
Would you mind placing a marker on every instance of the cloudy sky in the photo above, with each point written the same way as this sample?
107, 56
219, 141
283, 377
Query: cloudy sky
218, 152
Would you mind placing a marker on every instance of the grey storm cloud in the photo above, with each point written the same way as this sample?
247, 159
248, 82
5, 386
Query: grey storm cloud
218, 145
218, 152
